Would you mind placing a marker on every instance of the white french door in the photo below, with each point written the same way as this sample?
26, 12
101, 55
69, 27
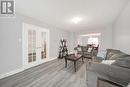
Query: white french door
35, 44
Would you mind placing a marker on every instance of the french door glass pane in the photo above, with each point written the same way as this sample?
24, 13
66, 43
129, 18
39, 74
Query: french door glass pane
31, 46
34, 45
43, 45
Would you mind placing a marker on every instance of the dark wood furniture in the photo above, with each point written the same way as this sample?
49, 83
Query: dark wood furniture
73, 58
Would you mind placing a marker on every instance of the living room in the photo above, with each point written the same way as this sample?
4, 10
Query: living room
43, 24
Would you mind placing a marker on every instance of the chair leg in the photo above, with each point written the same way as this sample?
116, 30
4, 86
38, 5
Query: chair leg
65, 63
82, 59
75, 66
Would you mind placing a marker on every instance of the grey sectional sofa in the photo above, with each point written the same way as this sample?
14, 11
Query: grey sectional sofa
117, 73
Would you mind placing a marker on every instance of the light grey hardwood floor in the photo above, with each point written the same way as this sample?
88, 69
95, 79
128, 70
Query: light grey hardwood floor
50, 74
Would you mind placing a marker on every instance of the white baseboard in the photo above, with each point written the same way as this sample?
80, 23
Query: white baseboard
3, 75
51, 59
10, 73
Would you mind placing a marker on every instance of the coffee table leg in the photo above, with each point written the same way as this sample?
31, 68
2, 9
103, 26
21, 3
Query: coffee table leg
82, 59
75, 66
65, 63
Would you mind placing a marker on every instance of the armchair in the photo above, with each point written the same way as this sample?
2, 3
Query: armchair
87, 51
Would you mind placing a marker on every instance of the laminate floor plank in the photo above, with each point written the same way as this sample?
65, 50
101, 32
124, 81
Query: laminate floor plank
50, 74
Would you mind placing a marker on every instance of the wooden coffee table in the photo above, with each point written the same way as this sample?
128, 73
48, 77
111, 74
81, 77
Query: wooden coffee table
73, 58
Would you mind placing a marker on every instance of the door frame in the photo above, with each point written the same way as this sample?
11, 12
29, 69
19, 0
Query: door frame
25, 47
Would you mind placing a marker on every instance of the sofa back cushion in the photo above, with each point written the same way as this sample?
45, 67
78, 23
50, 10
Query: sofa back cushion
113, 54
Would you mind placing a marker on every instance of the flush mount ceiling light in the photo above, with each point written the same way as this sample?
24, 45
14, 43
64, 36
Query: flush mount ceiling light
76, 20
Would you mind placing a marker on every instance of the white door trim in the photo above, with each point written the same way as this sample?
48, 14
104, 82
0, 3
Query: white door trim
25, 50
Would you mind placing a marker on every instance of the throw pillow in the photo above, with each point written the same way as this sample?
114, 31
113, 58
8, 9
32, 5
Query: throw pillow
110, 53
102, 54
108, 62
89, 50
79, 48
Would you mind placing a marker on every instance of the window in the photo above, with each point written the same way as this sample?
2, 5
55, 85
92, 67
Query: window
93, 40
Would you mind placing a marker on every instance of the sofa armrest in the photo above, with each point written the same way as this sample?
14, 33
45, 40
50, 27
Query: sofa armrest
118, 74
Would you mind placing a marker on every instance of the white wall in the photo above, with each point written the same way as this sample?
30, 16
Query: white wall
106, 35
11, 32
121, 31
11, 48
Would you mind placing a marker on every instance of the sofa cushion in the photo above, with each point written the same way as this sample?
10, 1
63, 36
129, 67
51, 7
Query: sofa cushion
123, 62
113, 54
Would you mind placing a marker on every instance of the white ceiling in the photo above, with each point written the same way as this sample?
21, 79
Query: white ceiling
59, 13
